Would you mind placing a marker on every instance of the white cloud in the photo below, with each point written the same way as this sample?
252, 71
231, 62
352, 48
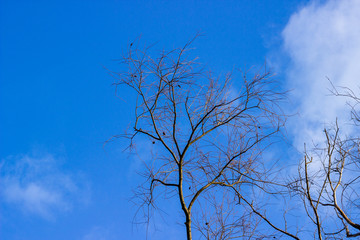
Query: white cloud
322, 40
38, 186
99, 233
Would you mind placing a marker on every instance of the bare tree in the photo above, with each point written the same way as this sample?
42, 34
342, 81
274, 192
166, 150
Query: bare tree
329, 179
209, 136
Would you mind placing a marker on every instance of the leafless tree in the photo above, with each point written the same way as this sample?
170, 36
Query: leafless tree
210, 135
329, 179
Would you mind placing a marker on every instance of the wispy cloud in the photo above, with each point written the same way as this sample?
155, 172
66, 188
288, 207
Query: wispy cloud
322, 41
100, 233
37, 185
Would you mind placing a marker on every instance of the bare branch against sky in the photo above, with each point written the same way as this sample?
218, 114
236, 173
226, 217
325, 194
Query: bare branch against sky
209, 154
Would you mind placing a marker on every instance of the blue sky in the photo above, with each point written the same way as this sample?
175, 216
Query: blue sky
58, 105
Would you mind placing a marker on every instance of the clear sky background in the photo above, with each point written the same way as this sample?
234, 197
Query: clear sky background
58, 105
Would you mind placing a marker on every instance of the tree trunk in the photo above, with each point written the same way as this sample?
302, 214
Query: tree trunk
188, 227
